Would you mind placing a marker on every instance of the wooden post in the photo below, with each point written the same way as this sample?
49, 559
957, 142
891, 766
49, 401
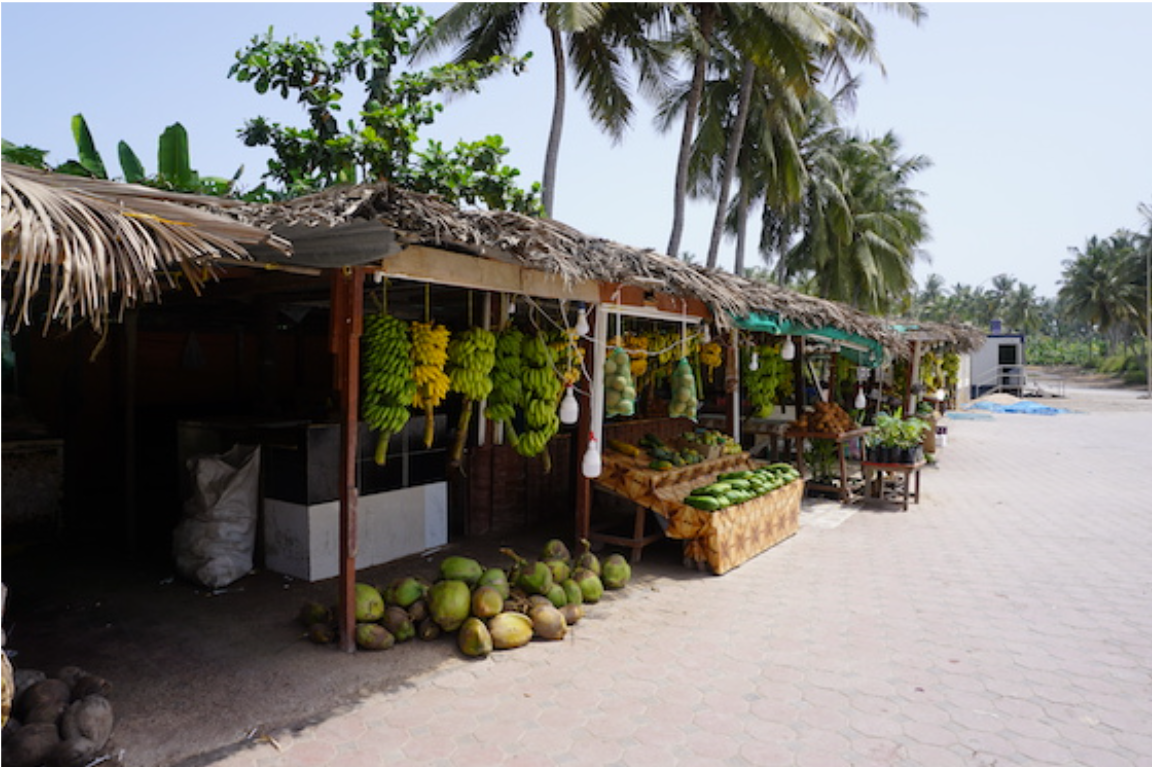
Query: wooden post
798, 375
913, 376
732, 384
583, 526
131, 498
347, 322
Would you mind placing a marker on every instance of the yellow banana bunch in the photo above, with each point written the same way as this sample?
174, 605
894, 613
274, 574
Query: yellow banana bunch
429, 356
386, 374
542, 389
711, 357
507, 390
568, 356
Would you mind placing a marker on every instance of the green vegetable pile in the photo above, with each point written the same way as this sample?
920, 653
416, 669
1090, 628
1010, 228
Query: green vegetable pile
738, 487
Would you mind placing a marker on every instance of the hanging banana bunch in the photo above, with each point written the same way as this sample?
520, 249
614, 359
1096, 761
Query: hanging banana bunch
711, 357
637, 346
386, 372
429, 355
542, 389
769, 383
507, 388
568, 355
471, 356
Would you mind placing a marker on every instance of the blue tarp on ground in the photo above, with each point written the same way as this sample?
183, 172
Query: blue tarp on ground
1031, 408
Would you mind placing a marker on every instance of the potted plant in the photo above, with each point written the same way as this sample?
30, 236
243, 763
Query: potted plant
894, 439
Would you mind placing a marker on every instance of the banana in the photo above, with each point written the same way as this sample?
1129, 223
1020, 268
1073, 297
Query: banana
386, 376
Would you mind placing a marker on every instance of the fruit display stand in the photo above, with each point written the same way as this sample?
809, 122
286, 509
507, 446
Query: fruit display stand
843, 486
719, 540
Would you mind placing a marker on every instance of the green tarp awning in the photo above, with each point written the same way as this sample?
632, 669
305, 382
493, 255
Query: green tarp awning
862, 351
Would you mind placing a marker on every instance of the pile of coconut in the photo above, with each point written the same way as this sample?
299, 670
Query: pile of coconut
61, 720
487, 608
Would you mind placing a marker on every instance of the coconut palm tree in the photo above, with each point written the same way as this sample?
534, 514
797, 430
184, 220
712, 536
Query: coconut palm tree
594, 39
1097, 286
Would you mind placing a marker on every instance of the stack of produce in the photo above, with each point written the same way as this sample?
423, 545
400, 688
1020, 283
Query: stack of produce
619, 389
471, 355
429, 356
486, 608
684, 401
738, 487
825, 418
711, 357
542, 389
62, 719
386, 372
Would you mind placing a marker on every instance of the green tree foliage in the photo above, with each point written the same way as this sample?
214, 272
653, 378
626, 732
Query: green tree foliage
380, 143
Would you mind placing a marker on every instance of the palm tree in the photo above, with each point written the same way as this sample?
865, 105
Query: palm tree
862, 224
592, 38
1097, 286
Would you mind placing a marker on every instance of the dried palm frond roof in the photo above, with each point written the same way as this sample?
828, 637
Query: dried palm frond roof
92, 242
553, 247
960, 336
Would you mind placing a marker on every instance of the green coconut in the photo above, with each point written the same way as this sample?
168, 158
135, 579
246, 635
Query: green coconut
369, 603
449, 603
428, 629
555, 549
548, 622
322, 633
557, 595
398, 623
457, 568
587, 559
373, 636
402, 592
590, 585
573, 592
615, 572
486, 602
533, 577
510, 630
474, 639
561, 570
418, 611
496, 578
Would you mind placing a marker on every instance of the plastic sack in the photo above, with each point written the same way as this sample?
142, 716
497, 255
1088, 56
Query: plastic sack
215, 541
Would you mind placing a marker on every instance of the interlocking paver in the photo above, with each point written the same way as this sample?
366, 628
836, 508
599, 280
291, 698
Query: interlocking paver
1002, 621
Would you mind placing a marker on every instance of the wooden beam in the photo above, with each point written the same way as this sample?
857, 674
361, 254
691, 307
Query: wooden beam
347, 323
424, 264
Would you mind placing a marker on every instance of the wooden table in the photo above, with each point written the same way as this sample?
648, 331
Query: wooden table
874, 479
844, 488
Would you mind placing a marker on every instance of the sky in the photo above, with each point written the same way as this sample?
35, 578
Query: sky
1035, 116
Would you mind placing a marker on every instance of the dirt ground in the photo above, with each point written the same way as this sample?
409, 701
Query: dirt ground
195, 672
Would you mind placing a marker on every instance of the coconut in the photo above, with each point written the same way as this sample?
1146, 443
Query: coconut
313, 612
369, 603
555, 549
548, 622
474, 639
560, 568
402, 592
90, 684
533, 577
615, 572
510, 630
590, 585
398, 623
457, 568
321, 633
587, 559
572, 592
30, 745
418, 611
449, 603
486, 602
373, 636
428, 629
496, 578
572, 613
46, 692
89, 718
557, 596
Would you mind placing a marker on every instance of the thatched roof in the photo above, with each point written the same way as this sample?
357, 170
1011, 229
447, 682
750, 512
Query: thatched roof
89, 242
553, 247
959, 336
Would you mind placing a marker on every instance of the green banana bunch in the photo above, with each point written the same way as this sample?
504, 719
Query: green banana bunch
471, 356
507, 390
386, 375
769, 383
542, 389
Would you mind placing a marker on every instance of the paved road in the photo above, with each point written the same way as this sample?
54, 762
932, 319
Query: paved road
1005, 620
